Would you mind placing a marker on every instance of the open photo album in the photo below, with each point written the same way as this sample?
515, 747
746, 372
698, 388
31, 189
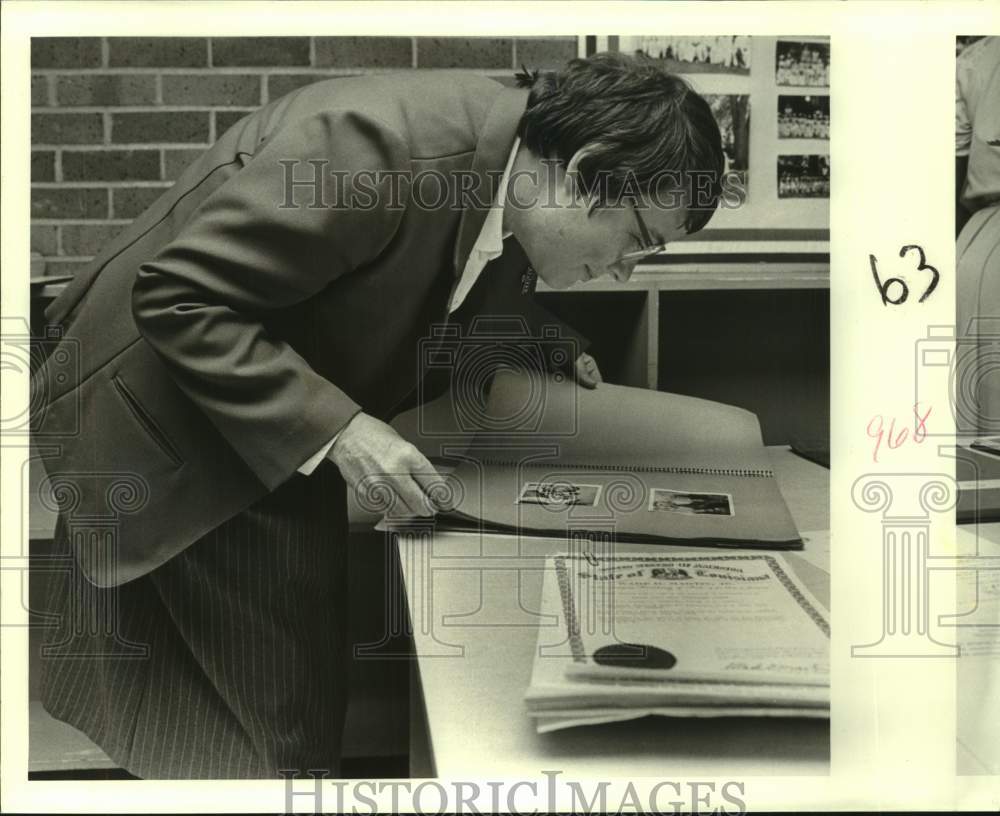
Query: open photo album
547, 457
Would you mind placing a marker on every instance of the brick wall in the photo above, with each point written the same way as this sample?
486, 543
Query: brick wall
114, 120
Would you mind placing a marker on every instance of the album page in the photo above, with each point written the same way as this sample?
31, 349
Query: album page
641, 464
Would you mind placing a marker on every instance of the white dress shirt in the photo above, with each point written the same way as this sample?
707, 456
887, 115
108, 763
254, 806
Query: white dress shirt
488, 246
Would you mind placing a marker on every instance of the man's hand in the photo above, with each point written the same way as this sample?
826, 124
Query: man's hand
587, 372
367, 447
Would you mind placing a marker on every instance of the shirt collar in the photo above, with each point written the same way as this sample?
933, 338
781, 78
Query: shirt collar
490, 240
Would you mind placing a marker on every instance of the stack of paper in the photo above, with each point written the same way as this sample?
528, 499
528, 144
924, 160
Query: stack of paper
688, 635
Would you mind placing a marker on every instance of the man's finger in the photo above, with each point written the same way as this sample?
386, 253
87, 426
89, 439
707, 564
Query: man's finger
434, 488
431, 482
414, 497
583, 375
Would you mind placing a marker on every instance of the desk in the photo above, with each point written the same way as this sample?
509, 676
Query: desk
470, 601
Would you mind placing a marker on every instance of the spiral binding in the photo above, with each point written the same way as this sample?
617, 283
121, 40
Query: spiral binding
569, 611
754, 473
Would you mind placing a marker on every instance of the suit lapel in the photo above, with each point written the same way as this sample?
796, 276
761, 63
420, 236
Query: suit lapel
499, 292
492, 151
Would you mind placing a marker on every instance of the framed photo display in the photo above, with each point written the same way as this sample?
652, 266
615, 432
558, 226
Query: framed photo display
771, 98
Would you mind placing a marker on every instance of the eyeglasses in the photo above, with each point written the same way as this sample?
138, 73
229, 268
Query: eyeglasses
649, 247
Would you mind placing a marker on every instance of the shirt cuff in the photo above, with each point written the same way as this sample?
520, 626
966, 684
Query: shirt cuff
307, 467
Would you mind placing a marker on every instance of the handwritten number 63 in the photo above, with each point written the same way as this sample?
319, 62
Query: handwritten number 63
904, 290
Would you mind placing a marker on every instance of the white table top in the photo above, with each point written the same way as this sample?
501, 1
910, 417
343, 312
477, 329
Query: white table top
470, 601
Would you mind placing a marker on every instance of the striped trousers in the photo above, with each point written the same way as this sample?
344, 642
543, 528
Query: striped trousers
230, 660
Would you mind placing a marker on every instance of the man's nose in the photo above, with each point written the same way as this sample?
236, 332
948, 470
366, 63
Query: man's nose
622, 270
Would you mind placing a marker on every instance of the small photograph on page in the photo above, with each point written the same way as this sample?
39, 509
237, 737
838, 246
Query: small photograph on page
559, 494
692, 504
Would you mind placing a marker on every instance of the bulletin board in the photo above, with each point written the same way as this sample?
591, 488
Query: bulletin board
771, 97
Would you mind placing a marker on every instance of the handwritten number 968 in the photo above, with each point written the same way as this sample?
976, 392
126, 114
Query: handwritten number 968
877, 430
903, 291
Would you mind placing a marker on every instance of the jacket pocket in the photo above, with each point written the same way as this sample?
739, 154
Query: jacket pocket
146, 421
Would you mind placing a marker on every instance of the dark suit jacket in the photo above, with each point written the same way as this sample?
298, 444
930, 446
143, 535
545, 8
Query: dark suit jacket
223, 338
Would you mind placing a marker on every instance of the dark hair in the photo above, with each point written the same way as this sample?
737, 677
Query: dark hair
644, 124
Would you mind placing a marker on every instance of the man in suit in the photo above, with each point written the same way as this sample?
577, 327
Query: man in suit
240, 348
